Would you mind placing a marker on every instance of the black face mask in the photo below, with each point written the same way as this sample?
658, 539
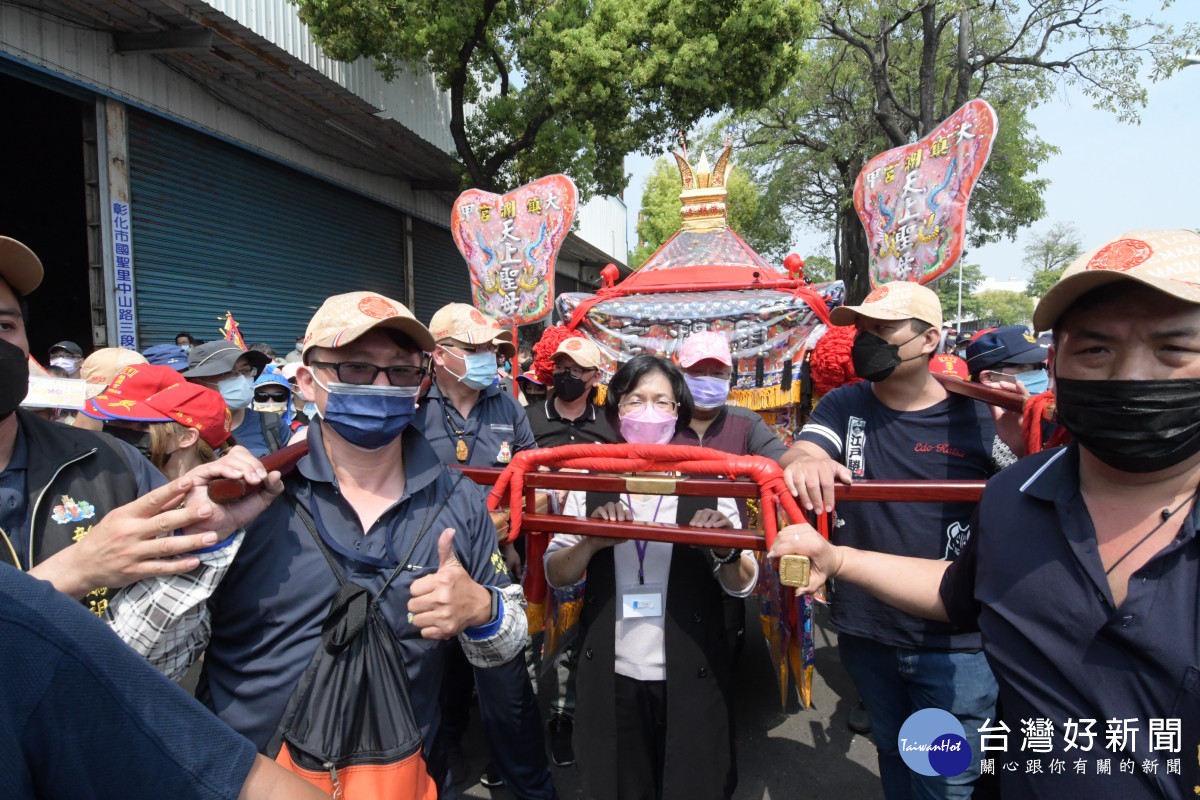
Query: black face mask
568, 387
874, 359
526, 363
14, 378
139, 439
1132, 426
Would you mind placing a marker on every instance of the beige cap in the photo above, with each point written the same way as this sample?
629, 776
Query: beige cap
19, 267
895, 300
345, 317
1165, 260
469, 325
102, 367
583, 352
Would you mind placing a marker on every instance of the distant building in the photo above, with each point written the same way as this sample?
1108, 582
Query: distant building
173, 160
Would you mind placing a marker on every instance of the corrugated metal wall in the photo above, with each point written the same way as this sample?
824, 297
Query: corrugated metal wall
86, 56
412, 98
218, 228
602, 223
439, 272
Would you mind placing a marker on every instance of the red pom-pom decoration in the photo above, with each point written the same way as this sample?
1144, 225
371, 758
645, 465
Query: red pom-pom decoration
829, 363
794, 264
543, 351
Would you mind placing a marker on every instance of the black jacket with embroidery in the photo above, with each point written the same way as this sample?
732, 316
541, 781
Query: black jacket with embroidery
69, 465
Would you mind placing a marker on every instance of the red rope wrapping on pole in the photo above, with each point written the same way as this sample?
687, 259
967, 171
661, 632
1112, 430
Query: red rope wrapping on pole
1038, 408
643, 458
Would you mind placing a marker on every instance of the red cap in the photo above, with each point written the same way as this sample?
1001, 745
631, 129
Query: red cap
946, 364
195, 406
132, 384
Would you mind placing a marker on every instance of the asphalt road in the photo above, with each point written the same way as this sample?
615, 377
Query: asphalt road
783, 753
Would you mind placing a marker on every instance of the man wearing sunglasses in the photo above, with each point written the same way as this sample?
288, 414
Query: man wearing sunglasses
372, 490
469, 420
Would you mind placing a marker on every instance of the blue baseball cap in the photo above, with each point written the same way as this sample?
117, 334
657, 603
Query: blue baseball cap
1010, 345
167, 355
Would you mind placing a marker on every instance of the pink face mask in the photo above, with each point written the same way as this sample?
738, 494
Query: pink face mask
648, 425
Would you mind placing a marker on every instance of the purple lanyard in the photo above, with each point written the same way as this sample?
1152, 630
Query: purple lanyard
641, 546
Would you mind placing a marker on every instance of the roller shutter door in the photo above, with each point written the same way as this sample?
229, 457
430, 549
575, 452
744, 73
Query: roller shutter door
439, 272
217, 227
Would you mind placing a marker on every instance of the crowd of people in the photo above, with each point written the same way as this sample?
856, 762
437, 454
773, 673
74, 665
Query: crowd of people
1069, 593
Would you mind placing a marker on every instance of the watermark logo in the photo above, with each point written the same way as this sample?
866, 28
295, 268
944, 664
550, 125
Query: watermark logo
933, 742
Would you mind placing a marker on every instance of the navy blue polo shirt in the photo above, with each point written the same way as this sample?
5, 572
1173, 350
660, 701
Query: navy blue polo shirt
954, 439
250, 434
268, 611
14, 503
495, 429
1031, 577
86, 717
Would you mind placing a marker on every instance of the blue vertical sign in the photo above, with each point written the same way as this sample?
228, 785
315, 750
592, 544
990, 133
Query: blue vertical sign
123, 276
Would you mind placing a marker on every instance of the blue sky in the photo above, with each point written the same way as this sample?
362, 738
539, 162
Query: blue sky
1108, 178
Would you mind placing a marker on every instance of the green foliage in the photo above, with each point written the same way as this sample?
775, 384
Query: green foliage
947, 291
1006, 308
819, 269
541, 86
881, 75
1048, 255
752, 215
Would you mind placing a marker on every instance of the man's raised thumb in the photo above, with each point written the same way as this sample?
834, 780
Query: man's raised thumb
446, 555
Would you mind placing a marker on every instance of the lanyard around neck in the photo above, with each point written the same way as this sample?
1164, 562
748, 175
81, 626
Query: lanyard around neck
639, 545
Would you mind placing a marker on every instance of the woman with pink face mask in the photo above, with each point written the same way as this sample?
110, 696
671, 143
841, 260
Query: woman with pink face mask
653, 716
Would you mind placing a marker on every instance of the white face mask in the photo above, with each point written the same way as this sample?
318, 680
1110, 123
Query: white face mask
64, 362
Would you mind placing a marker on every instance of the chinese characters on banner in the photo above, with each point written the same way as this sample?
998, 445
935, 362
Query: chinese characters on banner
913, 200
123, 276
510, 243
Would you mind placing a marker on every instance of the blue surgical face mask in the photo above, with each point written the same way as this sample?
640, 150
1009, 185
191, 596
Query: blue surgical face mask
708, 391
310, 410
1036, 381
369, 416
481, 370
187, 348
238, 391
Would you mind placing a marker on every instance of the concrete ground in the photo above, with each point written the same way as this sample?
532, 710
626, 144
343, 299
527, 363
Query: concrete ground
782, 753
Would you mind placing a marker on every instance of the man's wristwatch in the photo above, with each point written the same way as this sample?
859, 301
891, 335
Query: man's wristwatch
495, 593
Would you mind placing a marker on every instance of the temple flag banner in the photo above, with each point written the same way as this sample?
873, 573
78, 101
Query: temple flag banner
230, 331
510, 243
913, 200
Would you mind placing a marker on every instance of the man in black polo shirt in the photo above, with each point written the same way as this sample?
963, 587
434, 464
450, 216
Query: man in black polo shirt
569, 416
1083, 573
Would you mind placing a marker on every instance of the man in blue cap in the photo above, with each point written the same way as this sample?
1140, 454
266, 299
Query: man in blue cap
1011, 351
167, 355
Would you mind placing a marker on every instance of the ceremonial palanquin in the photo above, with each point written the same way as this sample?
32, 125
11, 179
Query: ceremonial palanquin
705, 278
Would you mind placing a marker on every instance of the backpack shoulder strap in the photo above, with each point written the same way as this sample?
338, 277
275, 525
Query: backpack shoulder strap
426, 524
309, 523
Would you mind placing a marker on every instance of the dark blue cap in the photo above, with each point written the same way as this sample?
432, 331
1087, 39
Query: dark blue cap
167, 355
1011, 345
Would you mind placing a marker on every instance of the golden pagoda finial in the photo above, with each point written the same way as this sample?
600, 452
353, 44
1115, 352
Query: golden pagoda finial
703, 195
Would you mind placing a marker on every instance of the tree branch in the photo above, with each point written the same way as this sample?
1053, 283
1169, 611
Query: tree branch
458, 84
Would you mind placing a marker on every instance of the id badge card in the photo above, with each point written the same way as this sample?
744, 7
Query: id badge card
642, 600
